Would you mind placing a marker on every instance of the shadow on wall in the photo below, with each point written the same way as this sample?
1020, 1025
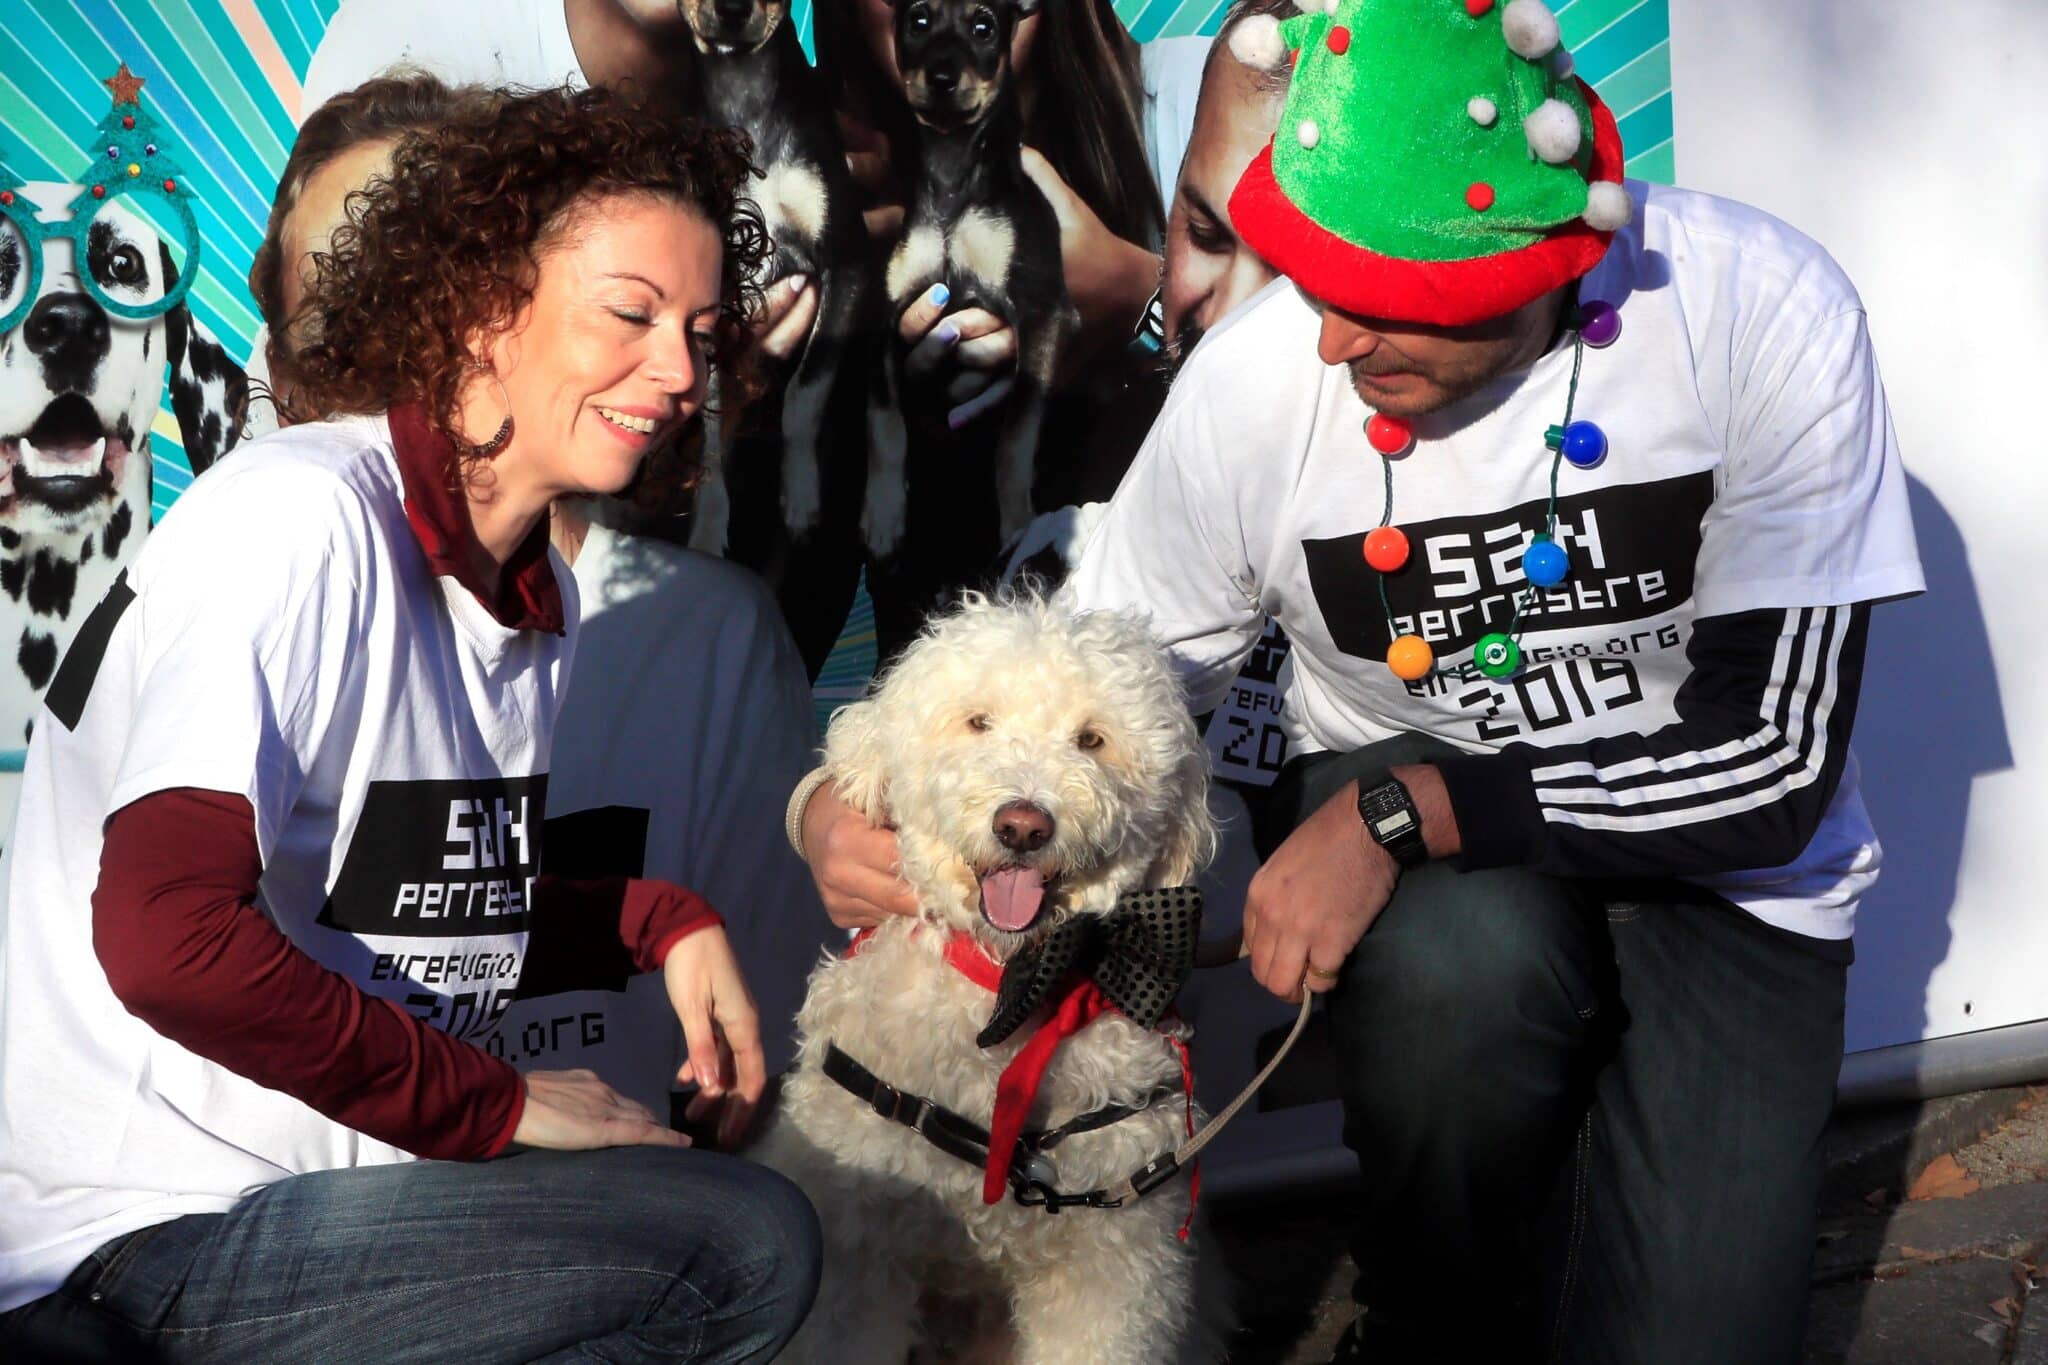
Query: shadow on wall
1930, 722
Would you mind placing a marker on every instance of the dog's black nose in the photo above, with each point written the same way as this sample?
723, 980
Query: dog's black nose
943, 77
67, 330
733, 12
1023, 827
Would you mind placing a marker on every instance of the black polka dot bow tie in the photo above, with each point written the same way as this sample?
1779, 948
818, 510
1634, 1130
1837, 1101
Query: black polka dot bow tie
1139, 955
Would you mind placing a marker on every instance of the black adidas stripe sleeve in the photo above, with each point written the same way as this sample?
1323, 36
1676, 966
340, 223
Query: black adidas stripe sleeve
1740, 780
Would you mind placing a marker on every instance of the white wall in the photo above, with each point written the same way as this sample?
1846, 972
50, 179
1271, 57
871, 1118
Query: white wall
1907, 136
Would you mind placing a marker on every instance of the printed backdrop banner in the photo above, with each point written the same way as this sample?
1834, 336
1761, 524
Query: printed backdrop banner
224, 77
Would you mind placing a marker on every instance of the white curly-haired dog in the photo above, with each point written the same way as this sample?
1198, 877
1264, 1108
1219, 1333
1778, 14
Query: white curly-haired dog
1037, 766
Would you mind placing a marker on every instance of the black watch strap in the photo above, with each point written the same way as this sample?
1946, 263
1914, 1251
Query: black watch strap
1393, 822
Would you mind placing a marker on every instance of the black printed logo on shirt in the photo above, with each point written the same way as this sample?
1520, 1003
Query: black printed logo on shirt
441, 859
1632, 549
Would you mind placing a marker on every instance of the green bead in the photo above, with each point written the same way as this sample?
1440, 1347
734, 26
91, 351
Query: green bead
1497, 655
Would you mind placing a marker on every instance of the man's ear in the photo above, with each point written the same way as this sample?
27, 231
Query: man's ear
209, 391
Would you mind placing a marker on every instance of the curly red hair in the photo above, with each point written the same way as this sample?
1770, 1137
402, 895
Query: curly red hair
445, 248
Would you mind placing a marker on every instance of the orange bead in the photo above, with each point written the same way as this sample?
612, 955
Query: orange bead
1410, 658
1386, 549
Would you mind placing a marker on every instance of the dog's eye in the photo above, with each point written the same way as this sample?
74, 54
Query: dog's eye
984, 27
920, 18
1089, 739
979, 721
124, 266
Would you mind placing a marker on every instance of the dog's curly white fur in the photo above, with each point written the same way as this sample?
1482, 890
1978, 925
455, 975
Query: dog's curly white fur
1002, 701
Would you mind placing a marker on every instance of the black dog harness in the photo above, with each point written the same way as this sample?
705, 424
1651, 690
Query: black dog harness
1137, 958
1031, 1173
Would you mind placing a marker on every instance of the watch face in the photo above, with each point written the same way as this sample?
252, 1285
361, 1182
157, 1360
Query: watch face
1392, 826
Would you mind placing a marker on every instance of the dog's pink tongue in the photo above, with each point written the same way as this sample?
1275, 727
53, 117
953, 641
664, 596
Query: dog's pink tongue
1011, 898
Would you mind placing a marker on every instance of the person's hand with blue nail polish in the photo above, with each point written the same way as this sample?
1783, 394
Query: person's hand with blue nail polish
959, 360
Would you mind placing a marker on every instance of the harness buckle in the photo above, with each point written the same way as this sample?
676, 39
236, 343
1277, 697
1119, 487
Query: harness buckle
886, 1100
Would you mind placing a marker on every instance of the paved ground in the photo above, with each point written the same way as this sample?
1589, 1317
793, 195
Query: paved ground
1934, 1221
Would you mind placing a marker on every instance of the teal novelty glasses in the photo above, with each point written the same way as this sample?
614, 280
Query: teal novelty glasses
111, 248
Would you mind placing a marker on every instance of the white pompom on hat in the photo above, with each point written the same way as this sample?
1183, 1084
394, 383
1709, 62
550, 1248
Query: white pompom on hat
1255, 41
1530, 28
1608, 207
1553, 130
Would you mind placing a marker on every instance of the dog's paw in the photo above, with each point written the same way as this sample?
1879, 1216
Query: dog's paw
800, 496
881, 517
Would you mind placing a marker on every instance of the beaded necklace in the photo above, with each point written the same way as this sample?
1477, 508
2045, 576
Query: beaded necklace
1544, 563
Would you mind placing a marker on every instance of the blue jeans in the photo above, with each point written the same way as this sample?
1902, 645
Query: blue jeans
1610, 1095
627, 1254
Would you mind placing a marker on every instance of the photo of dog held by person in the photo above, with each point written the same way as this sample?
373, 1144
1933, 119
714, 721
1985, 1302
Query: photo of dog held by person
1047, 785
980, 233
755, 77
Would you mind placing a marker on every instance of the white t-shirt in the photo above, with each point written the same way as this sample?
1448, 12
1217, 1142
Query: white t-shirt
687, 727
392, 740
522, 43
1752, 465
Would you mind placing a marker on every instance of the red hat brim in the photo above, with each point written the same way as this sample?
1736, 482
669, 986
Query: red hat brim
1434, 293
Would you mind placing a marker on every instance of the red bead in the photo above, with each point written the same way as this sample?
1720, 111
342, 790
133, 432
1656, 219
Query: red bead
170, 187
99, 191
1479, 197
1388, 435
1386, 549
1477, 8
127, 120
6, 199
1340, 40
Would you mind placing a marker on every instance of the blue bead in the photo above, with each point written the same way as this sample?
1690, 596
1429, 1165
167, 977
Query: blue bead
1585, 445
1545, 563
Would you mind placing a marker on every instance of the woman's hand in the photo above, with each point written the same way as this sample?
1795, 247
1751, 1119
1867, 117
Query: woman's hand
574, 1111
854, 864
1109, 280
721, 1030
789, 308
967, 355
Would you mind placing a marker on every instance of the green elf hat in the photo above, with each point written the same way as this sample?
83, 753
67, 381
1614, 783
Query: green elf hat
1436, 161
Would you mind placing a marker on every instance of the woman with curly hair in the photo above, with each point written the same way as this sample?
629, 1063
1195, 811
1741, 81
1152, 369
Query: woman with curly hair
689, 717
278, 856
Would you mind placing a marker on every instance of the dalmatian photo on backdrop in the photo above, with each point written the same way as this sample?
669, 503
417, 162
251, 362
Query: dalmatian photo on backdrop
93, 281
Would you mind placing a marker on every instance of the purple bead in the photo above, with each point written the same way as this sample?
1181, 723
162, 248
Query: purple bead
1599, 323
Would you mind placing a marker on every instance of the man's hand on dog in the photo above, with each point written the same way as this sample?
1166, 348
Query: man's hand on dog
854, 864
721, 1029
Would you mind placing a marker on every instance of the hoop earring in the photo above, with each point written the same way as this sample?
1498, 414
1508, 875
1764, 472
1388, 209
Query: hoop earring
504, 431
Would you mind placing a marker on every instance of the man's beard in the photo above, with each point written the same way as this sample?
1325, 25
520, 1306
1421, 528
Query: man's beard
1181, 345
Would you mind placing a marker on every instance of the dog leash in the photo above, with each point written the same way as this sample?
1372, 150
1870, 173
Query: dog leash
1163, 1168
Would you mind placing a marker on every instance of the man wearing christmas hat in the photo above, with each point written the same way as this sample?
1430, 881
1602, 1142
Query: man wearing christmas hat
1574, 495
1576, 527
